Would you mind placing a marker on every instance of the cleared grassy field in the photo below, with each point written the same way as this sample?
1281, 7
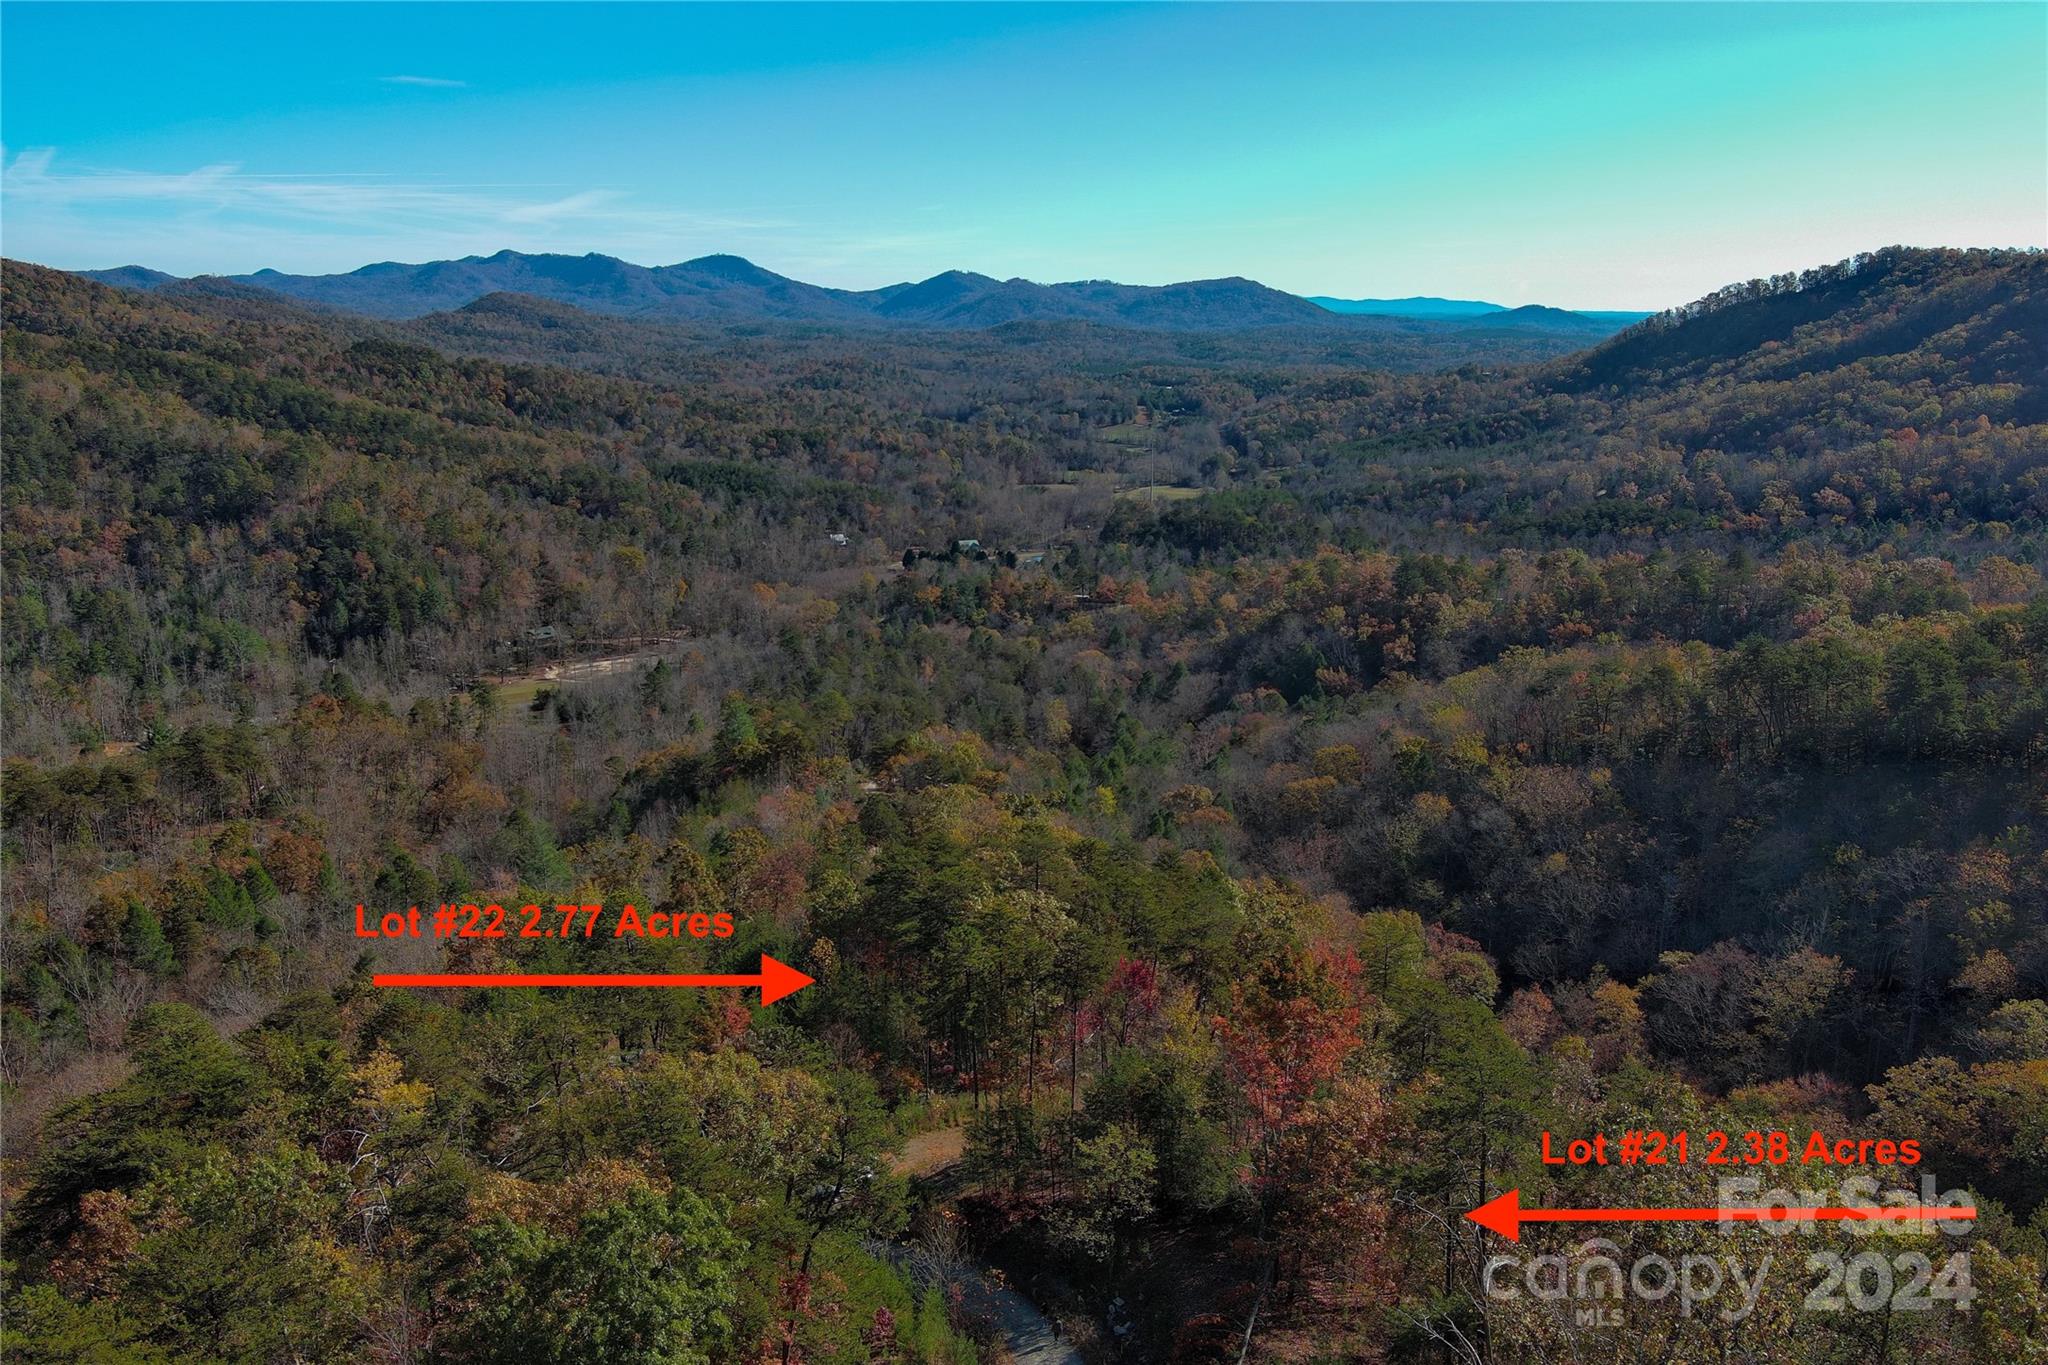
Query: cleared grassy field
1160, 492
518, 695
1128, 433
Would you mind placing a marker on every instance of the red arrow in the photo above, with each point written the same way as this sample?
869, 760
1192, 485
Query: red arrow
1506, 1215
775, 980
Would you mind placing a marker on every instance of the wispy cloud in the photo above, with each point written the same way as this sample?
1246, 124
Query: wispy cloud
222, 217
34, 161
430, 82
556, 210
335, 198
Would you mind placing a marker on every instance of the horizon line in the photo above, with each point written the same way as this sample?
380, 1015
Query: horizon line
1013, 279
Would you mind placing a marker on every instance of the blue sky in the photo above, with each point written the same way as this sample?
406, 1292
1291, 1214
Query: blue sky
1613, 156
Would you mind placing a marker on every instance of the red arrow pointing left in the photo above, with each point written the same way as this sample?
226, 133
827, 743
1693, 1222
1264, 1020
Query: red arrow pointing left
1506, 1215
776, 979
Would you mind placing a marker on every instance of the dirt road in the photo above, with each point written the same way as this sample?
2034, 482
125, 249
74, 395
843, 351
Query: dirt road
930, 1153
1028, 1333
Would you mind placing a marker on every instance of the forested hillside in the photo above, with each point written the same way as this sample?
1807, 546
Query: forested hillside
1239, 790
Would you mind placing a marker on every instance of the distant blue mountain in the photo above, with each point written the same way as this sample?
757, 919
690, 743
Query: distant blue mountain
131, 277
728, 289
1421, 306
1533, 316
1467, 310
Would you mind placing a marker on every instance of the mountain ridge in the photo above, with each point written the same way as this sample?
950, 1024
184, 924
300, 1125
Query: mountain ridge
1985, 309
732, 289
1414, 306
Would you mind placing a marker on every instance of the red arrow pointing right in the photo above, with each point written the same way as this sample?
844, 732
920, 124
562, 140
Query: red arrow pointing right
1506, 1215
776, 979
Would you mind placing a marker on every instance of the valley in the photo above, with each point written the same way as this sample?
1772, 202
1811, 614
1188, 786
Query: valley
1231, 796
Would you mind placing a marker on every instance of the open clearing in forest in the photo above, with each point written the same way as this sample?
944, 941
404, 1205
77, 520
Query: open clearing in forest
1159, 492
925, 1153
518, 689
